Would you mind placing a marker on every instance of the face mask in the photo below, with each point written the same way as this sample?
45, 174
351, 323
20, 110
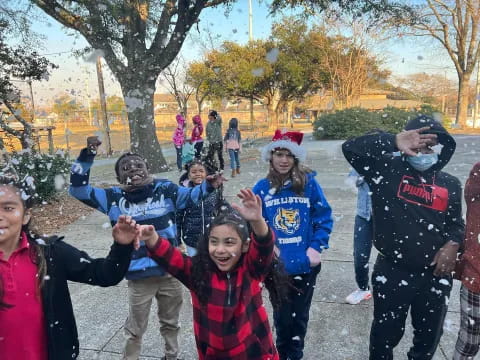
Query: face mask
423, 162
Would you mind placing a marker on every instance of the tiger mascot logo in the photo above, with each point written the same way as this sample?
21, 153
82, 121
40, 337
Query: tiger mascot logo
287, 220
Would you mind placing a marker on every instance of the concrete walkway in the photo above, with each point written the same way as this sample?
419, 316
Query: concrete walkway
336, 330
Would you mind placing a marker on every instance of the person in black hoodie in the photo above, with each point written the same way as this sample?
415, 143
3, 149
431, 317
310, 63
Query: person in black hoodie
418, 228
36, 315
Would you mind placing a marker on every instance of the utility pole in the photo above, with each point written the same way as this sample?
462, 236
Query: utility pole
250, 39
29, 82
87, 92
477, 95
250, 21
103, 106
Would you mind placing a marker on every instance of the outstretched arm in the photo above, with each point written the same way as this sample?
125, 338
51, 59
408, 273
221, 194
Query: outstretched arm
187, 195
107, 271
165, 254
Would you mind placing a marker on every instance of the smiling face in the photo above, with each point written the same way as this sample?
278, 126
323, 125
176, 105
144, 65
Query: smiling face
282, 161
13, 216
197, 173
225, 247
132, 170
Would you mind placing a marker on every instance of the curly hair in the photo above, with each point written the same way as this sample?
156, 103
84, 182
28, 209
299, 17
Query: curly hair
276, 281
36, 252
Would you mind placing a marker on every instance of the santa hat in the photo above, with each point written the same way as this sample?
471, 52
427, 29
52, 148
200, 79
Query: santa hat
289, 140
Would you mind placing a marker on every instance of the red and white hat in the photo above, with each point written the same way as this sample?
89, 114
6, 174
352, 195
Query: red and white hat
289, 140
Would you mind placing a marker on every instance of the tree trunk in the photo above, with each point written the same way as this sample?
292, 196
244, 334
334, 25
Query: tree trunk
462, 100
138, 98
272, 108
290, 109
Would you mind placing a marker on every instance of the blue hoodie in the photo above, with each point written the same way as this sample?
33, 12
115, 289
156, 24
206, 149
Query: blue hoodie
156, 205
299, 221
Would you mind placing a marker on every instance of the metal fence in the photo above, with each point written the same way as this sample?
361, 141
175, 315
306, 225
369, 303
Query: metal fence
71, 130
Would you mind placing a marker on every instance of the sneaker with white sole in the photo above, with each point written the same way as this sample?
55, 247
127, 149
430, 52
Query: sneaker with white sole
358, 296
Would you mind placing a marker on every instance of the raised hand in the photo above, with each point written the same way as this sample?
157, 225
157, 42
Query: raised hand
93, 142
251, 210
125, 230
216, 180
409, 142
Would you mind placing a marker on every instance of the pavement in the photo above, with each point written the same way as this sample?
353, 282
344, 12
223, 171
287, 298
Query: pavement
336, 331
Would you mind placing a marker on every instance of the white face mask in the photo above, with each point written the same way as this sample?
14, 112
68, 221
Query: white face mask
423, 162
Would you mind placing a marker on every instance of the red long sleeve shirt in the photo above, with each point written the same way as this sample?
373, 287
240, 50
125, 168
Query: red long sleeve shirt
234, 323
22, 327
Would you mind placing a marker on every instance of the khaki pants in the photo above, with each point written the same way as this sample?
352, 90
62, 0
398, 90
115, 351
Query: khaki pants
168, 292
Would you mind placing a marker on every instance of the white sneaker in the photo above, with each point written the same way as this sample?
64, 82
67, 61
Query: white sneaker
358, 296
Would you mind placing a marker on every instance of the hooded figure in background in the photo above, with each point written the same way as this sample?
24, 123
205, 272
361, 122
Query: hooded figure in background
179, 139
418, 227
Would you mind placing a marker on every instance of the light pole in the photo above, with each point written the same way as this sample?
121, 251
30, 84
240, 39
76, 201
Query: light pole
29, 82
250, 21
250, 39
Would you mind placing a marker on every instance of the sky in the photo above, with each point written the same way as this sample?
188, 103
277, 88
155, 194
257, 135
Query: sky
76, 76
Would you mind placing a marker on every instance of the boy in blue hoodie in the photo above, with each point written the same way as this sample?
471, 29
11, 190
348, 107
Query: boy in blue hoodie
296, 209
148, 201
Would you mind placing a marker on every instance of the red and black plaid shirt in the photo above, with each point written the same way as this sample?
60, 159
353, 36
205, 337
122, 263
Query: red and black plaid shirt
233, 325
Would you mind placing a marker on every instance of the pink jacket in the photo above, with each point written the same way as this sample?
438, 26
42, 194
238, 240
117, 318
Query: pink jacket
179, 134
197, 130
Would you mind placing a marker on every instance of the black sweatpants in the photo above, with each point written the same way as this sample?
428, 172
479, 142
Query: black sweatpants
395, 292
198, 149
291, 319
216, 148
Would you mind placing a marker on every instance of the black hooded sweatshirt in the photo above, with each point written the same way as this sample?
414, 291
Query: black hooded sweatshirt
414, 213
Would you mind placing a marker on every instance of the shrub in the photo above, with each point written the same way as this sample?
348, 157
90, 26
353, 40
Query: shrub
352, 122
344, 124
46, 174
393, 119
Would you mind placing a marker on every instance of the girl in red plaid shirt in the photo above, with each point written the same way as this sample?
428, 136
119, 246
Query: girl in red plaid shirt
224, 278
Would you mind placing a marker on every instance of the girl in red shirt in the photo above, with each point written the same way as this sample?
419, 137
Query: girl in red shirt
36, 315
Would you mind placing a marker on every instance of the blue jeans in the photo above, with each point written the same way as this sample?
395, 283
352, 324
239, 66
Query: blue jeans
362, 246
234, 159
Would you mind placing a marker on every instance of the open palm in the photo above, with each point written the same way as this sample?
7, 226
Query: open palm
251, 207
